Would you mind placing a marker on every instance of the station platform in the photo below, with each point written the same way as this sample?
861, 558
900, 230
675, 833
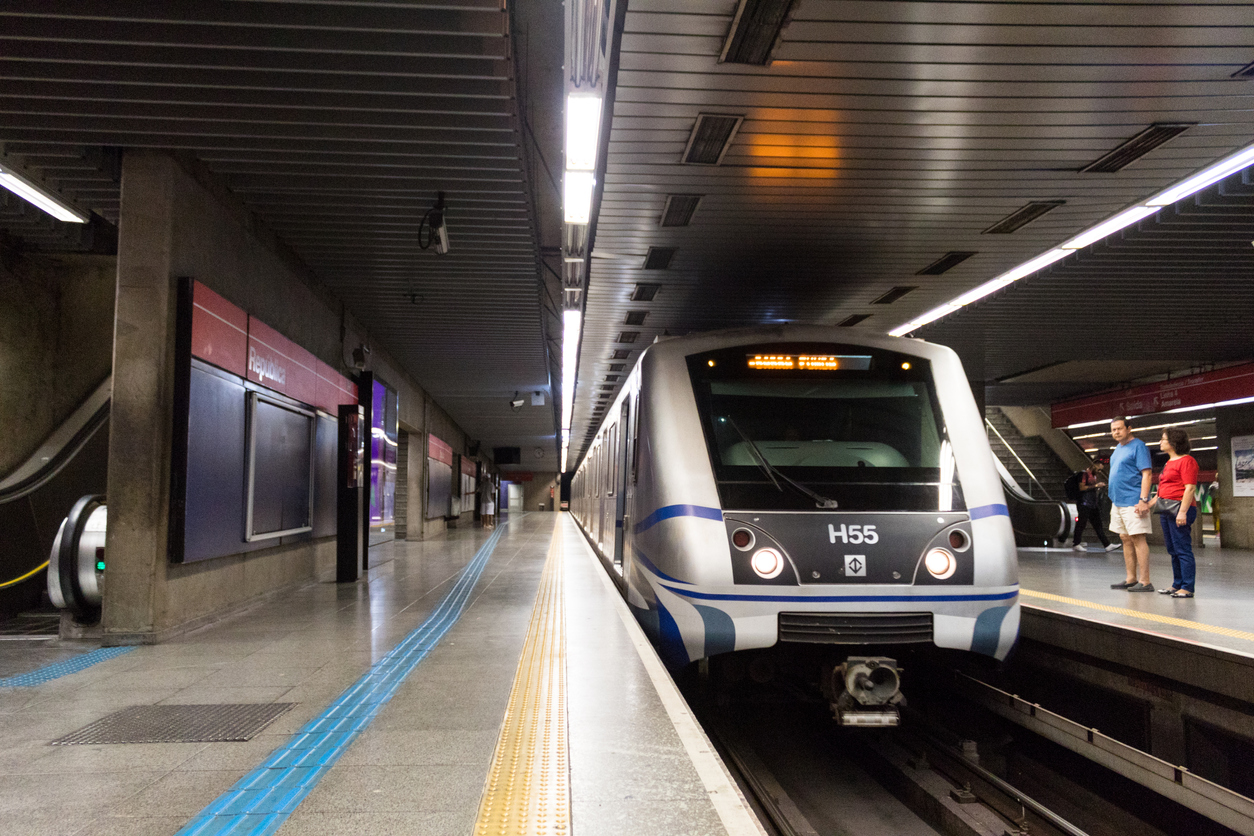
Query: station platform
482, 682
1207, 641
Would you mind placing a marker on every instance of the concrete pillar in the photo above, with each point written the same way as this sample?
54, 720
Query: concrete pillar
143, 383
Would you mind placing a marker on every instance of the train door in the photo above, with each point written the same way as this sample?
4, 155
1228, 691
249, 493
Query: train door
620, 482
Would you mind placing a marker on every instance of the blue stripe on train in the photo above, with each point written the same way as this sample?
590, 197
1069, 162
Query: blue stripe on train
672, 511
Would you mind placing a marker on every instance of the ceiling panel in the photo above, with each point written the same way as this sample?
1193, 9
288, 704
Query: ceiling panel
887, 134
337, 122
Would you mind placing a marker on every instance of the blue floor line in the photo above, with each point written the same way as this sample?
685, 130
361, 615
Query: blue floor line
63, 668
263, 799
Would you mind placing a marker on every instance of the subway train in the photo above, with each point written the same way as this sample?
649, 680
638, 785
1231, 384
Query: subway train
803, 485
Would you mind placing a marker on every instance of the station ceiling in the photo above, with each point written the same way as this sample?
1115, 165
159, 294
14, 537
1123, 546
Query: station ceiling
872, 161
336, 123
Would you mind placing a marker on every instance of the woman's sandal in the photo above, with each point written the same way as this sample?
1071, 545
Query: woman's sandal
1171, 591
1182, 593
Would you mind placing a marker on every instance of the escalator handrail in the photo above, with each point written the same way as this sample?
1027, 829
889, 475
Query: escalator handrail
58, 449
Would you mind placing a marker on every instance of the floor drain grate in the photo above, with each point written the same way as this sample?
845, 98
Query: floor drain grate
178, 724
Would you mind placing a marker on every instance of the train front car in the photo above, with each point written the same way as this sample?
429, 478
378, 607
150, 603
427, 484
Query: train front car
794, 486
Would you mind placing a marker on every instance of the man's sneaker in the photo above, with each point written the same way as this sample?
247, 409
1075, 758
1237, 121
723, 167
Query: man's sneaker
1113, 546
1124, 585
1079, 548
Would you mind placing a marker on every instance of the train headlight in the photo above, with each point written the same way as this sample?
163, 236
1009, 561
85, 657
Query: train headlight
940, 564
768, 563
742, 538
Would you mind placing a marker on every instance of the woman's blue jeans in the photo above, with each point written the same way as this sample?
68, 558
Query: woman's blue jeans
1179, 542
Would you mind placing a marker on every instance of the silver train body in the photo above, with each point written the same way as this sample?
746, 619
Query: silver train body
790, 484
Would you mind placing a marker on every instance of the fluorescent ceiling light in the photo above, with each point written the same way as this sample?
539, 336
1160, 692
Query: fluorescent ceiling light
1087, 424
571, 321
1124, 219
577, 200
1207, 406
583, 131
29, 191
1228, 165
565, 453
920, 321
1211, 174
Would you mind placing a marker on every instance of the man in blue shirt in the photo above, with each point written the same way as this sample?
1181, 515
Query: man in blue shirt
1129, 489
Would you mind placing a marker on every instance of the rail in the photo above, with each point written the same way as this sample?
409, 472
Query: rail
1215, 802
1026, 469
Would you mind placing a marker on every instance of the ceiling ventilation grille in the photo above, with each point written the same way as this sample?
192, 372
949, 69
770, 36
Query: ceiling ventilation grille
945, 263
711, 137
658, 258
1137, 147
755, 31
628, 336
1245, 72
645, 292
679, 209
850, 321
894, 294
620, 354
1022, 217
635, 317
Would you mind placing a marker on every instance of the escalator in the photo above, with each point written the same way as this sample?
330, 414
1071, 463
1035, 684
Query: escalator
1036, 522
36, 497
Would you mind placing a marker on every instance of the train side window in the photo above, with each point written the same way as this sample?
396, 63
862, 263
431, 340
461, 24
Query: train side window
635, 436
611, 461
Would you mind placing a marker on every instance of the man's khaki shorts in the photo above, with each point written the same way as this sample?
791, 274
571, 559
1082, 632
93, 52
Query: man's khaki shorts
1125, 520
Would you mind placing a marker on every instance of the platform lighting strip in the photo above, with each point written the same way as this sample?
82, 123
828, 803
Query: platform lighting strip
1177, 410
1144, 429
33, 193
583, 141
571, 323
583, 134
1211, 174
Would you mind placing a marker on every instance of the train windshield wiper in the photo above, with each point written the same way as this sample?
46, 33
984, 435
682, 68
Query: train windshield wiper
771, 472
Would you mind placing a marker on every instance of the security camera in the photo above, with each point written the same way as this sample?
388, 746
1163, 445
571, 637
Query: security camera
360, 355
437, 229
517, 403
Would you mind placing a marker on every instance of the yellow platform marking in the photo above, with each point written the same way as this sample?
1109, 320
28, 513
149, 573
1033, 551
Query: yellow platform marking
528, 786
1145, 616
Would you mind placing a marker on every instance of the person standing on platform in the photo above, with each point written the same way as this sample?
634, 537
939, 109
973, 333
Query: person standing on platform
1088, 509
1177, 484
1130, 474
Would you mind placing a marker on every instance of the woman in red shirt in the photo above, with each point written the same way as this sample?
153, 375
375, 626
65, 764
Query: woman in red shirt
1179, 481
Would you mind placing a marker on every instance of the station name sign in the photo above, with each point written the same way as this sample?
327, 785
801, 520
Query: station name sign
232, 339
1229, 384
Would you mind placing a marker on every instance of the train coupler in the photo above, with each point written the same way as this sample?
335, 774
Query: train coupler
867, 692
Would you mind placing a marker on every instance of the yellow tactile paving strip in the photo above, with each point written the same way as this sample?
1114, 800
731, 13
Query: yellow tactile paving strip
528, 786
1144, 616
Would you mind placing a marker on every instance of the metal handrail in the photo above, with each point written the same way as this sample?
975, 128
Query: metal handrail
1026, 469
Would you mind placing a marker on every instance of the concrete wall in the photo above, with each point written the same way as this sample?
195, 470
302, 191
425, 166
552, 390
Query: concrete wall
177, 220
56, 343
1236, 513
1035, 421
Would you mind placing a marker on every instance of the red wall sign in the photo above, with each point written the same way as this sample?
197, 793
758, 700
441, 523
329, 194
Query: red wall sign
227, 337
518, 476
1227, 384
438, 450
468, 466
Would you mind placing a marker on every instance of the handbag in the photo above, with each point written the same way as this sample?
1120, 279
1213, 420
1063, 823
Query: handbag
1162, 505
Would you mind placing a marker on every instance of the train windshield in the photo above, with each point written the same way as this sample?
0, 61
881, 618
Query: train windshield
806, 426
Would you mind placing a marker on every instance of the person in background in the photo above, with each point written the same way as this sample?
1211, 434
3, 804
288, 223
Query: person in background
1130, 474
1178, 481
1088, 509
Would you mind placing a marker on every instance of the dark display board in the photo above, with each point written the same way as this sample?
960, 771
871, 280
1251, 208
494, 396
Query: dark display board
286, 477
280, 469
